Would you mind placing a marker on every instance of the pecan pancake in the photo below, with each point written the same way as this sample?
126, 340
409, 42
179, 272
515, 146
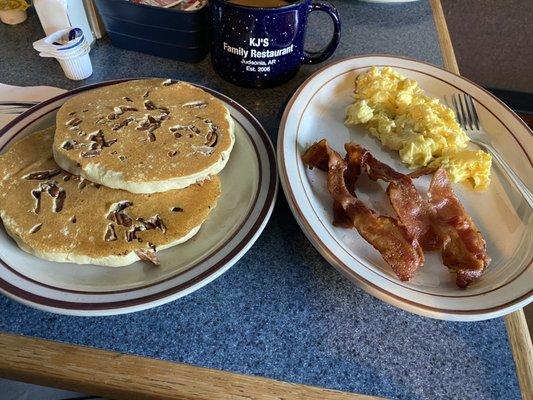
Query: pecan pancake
144, 136
62, 217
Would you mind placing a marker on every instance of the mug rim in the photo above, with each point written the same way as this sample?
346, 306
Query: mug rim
287, 6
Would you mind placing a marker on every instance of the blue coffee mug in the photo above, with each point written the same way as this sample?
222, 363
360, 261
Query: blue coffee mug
264, 46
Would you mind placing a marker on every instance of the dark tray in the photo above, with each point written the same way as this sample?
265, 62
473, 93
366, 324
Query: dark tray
163, 32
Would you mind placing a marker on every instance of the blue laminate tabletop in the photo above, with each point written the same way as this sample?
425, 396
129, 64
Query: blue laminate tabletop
282, 311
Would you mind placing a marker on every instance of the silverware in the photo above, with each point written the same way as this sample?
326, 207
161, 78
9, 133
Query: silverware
15, 103
13, 110
467, 116
15, 107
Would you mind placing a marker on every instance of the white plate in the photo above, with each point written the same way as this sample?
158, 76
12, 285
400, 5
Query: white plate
246, 203
317, 110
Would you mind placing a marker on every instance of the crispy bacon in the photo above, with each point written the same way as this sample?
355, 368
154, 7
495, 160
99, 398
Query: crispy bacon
397, 247
464, 251
417, 173
413, 211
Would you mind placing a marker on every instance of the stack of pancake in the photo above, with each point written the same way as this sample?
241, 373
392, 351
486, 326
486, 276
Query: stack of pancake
129, 169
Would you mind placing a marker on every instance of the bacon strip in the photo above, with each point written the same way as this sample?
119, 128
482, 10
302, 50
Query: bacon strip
413, 211
464, 251
397, 247
417, 173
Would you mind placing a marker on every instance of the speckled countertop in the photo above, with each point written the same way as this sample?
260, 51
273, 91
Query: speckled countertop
282, 311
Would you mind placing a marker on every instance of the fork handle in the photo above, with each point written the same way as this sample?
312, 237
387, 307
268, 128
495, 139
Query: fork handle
513, 177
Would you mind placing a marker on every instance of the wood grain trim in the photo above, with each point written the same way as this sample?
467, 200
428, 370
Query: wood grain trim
517, 329
522, 348
121, 376
448, 55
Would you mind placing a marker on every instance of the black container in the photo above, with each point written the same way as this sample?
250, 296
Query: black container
163, 32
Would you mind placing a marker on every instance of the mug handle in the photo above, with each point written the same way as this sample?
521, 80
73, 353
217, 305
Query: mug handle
315, 57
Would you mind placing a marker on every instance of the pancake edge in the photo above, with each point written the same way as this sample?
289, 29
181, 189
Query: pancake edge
107, 261
113, 179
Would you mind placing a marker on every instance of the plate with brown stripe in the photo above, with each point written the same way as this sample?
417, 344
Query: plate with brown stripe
243, 209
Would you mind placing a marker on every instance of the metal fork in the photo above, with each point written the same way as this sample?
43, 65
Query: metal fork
15, 107
467, 116
12, 110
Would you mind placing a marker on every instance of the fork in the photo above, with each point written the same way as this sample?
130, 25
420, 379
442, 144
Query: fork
12, 110
15, 107
467, 116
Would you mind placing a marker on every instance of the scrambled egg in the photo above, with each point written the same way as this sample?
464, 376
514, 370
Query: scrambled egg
423, 131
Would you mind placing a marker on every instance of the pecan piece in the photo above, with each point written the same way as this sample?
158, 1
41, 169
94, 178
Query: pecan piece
35, 228
54, 190
211, 139
119, 110
116, 213
42, 175
90, 153
82, 183
149, 105
194, 129
59, 196
120, 218
153, 223
36, 194
123, 123
195, 104
131, 234
148, 254
98, 140
177, 128
149, 123
110, 234
73, 122
70, 144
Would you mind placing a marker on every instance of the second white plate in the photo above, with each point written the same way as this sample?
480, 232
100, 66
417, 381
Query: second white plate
317, 111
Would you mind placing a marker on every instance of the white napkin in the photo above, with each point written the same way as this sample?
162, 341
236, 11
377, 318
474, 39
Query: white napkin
19, 93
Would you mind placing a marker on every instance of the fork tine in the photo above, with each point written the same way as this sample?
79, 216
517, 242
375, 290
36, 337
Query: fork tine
466, 119
474, 112
468, 102
456, 109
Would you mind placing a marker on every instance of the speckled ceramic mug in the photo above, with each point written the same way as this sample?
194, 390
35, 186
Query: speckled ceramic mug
264, 46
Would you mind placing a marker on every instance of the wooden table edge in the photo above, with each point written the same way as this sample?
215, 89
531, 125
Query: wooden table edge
516, 324
109, 374
123, 376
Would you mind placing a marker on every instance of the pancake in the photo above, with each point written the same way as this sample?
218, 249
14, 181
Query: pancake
58, 216
144, 136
